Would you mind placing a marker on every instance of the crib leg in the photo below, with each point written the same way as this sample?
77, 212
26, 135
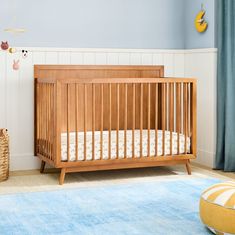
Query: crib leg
62, 176
188, 167
42, 166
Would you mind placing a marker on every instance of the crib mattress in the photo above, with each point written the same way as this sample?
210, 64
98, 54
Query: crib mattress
72, 145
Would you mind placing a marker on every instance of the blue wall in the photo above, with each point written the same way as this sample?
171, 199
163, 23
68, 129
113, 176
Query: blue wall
95, 23
161, 24
193, 39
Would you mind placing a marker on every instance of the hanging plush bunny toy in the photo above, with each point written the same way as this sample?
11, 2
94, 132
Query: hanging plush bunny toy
16, 64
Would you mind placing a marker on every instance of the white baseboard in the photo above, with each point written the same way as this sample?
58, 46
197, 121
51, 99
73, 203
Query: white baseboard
24, 162
205, 158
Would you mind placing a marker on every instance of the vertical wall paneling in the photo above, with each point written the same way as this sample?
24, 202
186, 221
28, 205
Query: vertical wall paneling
3, 89
168, 61
64, 58
135, 58
101, 58
147, 59
25, 99
179, 65
89, 58
39, 57
12, 100
76, 57
158, 59
112, 58
201, 64
124, 58
51, 57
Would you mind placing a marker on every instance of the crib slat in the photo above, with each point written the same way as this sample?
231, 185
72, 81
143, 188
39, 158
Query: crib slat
189, 109
185, 116
133, 121
166, 111
68, 124
93, 121
45, 118
46, 122
178, 114
163, 116
38, 117
49, 126
156, 120
110, 118
171, 113
193, 117
125, 122
49, 121
40, 120
149, 111
85, 120
141, 119
117, 132
52, 122
101, 120
43, 121
76, 120
58, 119
188, 114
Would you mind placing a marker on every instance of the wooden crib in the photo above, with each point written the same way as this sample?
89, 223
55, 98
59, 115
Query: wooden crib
90, 118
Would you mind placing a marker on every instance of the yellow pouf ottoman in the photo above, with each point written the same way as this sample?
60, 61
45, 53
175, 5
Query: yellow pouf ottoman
217, 208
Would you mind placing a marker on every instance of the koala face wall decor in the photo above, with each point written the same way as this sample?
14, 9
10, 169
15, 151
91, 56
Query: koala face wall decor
24, 54
4, 46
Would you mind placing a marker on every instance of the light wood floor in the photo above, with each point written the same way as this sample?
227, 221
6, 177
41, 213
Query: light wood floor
230, 175
31, 181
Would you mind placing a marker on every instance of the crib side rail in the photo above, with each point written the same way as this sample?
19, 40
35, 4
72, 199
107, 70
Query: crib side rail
85, 106
45, 128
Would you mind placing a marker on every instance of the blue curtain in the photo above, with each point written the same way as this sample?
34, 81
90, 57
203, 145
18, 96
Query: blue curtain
225, 152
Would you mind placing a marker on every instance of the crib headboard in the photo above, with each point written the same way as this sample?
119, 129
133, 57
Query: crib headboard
100, 71
97, 71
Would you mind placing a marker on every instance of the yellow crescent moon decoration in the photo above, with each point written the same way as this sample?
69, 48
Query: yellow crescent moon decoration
200, 23
12, 50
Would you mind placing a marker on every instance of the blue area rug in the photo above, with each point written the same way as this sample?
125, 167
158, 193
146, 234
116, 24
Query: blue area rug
146, 208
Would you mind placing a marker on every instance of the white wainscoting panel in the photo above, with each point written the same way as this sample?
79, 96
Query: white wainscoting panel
16, 94
202, 64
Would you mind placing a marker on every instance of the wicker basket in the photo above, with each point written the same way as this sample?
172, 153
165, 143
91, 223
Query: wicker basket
4, 155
